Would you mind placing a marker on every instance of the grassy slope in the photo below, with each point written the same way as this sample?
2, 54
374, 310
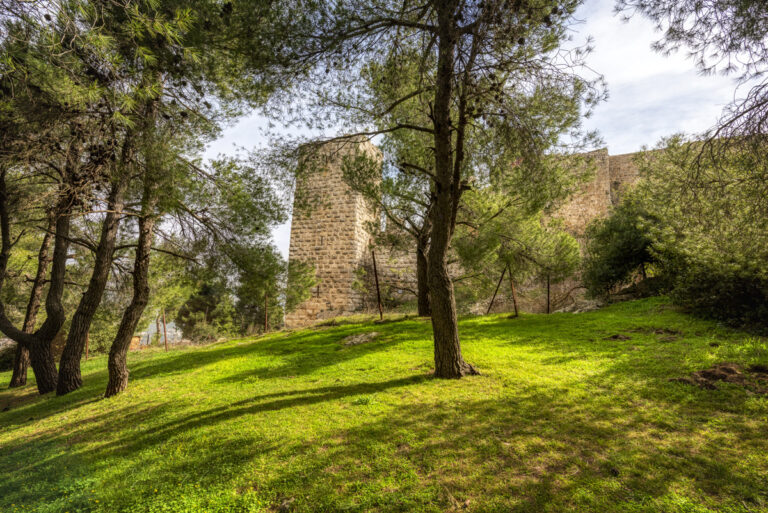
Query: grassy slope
560, 420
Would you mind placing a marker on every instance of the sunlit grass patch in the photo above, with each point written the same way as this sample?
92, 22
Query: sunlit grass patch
565, 417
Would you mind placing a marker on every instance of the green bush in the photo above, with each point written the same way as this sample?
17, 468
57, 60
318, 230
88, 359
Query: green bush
7, 355
701, 226
736, 297
618, 248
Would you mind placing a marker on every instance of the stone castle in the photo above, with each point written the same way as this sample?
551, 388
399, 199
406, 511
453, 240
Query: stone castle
333, 234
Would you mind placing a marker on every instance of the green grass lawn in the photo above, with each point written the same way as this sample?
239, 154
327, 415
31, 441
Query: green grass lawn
561, 419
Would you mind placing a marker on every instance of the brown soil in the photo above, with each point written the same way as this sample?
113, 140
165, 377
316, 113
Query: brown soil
665, 334
754, 379
618, 336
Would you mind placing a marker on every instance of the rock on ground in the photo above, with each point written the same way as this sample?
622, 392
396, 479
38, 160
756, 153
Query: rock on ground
361, 338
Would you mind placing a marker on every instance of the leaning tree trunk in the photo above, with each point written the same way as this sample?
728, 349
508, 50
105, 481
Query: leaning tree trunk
40, 352
117, 364
39, 343
448, 360
21, 362
69, 366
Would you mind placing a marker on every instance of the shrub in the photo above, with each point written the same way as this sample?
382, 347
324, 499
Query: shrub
618, 248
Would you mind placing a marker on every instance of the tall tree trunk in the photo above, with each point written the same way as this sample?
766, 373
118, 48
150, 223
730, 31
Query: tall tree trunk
69, 366
40, 352
549, 300
422, 282
448, 360
117, 364
422, 265
21, 362
44, 366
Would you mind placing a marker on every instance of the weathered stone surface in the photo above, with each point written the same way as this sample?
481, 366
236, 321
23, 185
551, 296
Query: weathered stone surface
612, 175
334, 236
360, 338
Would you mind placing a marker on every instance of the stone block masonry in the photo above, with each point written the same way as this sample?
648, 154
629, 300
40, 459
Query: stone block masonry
332, 233
612, 175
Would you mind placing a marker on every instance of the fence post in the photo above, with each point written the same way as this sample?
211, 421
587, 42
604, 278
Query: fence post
378, 292
496, 291
165, 333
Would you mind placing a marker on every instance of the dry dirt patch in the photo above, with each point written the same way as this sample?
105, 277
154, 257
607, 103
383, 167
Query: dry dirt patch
753, 378
663, 334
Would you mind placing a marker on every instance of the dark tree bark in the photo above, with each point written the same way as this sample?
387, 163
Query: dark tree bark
514, 291
422, 265
549, 301
20, 366
448, 360
117, 364
39, 343
69, 366
40, 353
422, 282
21, 361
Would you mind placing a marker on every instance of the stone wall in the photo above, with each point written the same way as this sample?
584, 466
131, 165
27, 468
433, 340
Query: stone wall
593, 199
623, 174
612, 175
331, 233
333, 236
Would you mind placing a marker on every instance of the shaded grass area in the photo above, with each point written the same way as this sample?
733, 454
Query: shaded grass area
565, 417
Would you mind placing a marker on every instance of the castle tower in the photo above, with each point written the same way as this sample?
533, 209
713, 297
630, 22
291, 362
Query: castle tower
329, 230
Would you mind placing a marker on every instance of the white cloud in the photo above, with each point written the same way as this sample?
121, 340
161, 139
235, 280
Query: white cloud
650, 95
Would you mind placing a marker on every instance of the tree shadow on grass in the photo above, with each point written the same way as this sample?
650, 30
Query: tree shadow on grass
529, 454
266, 403
305, 353
292, 354
532, 450
88, 431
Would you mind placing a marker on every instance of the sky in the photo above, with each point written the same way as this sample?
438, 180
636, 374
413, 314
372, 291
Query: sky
650, 95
